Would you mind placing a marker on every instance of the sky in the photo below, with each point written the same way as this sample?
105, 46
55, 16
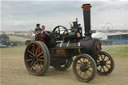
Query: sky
23, 15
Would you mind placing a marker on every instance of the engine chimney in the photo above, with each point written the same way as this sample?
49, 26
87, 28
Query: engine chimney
87, 19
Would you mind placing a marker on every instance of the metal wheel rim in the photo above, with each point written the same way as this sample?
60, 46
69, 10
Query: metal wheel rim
34, 58
104, 62
90, 64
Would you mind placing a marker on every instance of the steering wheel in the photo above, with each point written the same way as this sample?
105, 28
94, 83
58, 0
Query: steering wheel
60, 32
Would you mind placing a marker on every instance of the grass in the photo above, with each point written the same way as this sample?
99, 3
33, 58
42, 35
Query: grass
114, 50
18, 50
19, 38
117, 50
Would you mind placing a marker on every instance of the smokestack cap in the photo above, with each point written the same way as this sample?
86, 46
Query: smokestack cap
86, 6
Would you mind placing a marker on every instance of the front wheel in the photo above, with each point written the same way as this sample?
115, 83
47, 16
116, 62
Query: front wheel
105, 63
84, 68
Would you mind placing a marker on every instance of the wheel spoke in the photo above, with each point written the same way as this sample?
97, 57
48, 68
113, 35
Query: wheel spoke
90, 70
102, 57
85, 73
78, 63
30, 56
103, 69
41, 57
88, 63
41, 63
108, 64
98, 60
32, 63
107, 67
38, 63
107, 59
82, 61
30, 52
39, 54
40, 60
89, 66
29, 60
36, 51
77, 67
33, 46
78, 70
80, 73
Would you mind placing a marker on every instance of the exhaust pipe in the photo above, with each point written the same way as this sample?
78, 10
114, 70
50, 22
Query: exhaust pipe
87, 19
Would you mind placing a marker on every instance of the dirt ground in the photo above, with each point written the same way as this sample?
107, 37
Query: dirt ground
13, 72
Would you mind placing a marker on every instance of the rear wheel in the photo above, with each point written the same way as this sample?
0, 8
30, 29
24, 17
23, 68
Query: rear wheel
105, 63
84, 68
65, 66
37, 58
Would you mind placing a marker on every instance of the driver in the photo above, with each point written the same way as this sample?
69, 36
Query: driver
37, 29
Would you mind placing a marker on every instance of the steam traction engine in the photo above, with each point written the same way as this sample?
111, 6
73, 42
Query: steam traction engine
63, 46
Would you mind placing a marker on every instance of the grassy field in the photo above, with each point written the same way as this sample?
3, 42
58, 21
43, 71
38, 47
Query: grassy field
18, 38
117, 50
114, 50
13, 71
